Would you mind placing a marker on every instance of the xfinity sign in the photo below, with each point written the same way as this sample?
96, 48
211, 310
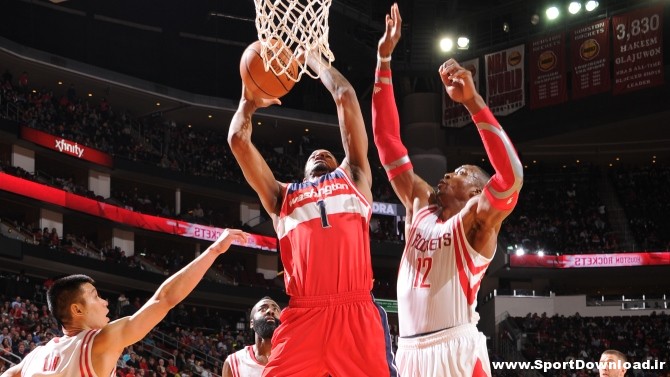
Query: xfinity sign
69, 147
64, 146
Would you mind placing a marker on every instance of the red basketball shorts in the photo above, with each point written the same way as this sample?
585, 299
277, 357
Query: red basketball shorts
344, 335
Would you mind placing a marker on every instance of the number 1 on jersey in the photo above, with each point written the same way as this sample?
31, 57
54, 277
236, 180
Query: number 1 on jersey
422, 265
322, 211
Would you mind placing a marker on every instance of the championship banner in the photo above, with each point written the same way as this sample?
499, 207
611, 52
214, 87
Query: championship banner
120, 215
638, 49
590, 260
64, 146
590, 59
505, 80
455, 114
547, 71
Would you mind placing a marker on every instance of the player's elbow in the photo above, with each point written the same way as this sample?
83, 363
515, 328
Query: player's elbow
237, 140
345, 95
165, 300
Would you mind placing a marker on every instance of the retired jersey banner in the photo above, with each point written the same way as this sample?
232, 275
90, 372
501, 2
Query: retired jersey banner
590, 260
590, 59
547, 71
455, 114
120, 215
638, 49
505, 80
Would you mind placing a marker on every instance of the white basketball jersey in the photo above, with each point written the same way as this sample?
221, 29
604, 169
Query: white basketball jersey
439, 275
67, 356
243, 363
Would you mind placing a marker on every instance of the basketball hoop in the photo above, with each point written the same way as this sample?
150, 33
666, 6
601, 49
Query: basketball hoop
293, 25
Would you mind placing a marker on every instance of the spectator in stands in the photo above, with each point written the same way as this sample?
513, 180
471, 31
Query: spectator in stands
249, 361
6, 345
82, 313
23, 82
7, 76
612, 364
171, 367
198, 213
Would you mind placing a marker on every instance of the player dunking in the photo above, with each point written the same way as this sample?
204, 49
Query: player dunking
250, 361
92, 346
451, 231
331, 325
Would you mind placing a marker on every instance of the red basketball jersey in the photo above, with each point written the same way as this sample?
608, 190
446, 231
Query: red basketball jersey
324, 237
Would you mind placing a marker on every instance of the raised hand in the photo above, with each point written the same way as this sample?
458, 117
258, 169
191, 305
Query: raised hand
392, 33
457, 81
227, 237
258, 102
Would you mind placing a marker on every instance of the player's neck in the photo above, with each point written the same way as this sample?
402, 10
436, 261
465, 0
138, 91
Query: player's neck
74, 329
262, 349
450, 208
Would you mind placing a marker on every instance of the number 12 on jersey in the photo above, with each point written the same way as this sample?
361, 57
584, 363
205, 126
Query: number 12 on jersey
423, 266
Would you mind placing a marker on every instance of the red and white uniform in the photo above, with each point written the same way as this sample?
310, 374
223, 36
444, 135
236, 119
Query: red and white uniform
439, 277
324, 237
67, 356
243, 363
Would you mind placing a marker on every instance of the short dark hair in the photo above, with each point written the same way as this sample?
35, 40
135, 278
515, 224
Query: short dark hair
63, 293
484, 176
616, 353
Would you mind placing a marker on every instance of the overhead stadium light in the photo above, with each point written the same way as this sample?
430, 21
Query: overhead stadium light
463, 43
446, 44
574, 7
552, 13
591, 5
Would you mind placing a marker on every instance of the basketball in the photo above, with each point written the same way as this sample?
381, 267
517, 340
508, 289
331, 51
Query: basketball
264, 83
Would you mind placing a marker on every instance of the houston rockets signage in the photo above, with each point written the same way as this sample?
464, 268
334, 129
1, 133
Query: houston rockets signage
120, 215
547, 71
590, 260
67, 147
505, 80
590, 53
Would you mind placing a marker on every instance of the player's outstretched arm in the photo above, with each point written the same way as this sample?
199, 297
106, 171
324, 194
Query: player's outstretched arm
111, 340
386, 122
256, 171
352, 127
501, 192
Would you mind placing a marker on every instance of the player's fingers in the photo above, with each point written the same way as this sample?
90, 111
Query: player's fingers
460, 73
242, 237
452, 70
451, 65
396, 14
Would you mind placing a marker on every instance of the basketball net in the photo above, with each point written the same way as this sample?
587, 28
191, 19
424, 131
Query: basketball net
288, 26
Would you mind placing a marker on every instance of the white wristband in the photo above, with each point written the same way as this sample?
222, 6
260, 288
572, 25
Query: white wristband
383, 59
